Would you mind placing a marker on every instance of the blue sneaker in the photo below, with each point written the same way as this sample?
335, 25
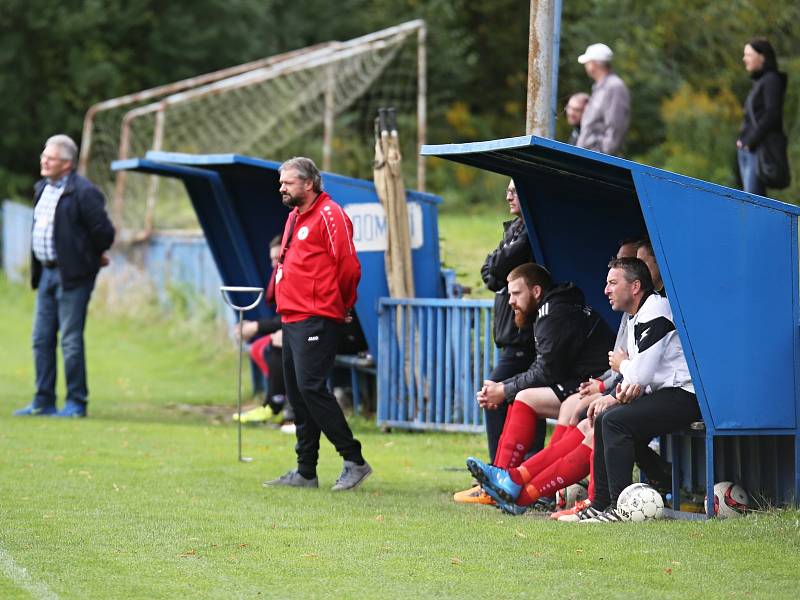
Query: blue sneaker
511, 508
35, 411
72, 409
496, 482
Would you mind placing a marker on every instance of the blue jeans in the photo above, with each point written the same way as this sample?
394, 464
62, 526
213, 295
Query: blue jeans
748, 168
65, 311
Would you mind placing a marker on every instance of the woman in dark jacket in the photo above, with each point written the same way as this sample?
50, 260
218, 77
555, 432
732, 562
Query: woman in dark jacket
763, 110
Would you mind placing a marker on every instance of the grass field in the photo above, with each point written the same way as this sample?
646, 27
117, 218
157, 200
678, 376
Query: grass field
145, 499
466, 239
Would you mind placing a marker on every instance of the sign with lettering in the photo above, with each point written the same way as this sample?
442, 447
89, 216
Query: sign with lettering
369, 226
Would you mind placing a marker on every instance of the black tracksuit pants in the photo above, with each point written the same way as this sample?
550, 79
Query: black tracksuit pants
619, 429
309, 351
273, 357
512, 360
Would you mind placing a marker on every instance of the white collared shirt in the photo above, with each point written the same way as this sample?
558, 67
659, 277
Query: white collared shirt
43, 219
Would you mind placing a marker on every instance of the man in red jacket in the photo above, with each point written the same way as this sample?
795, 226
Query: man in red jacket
315, 290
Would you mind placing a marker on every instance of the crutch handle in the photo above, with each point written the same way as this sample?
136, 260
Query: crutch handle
239, 289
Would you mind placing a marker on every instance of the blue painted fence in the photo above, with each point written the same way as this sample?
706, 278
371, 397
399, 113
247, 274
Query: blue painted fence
17, 223
434, 355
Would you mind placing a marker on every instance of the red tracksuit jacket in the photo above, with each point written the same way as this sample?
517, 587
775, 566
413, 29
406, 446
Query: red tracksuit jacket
320, 270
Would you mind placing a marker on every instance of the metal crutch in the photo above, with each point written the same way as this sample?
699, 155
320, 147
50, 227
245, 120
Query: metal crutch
241, 310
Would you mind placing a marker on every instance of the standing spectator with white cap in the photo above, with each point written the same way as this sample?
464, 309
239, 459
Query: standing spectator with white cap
606, 117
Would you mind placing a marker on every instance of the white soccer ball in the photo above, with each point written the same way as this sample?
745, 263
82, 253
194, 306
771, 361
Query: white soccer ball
730, 500
640, 502
567, 497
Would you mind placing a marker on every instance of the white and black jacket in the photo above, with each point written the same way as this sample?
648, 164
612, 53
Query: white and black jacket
655, 355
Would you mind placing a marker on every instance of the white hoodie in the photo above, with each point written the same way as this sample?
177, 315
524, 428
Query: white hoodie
655, 355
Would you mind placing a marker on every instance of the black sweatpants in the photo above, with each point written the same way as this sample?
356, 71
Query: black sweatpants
276, 385
512, 360
619, 429
309, 351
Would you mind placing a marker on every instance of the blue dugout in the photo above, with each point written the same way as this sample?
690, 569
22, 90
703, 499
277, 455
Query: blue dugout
240, 210
729, 261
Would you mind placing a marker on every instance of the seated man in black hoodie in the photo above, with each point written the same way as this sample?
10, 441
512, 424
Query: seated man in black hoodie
572, 343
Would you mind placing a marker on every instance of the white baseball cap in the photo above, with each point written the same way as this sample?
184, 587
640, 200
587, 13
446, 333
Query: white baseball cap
599, 52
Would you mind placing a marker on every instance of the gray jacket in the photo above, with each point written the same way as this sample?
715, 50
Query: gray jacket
606, 117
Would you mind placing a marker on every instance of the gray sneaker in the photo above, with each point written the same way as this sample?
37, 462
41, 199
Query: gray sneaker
292, 479
351, 476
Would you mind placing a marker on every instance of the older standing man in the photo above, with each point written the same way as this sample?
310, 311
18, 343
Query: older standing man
606, 117
71, 232
315, 290
574, 111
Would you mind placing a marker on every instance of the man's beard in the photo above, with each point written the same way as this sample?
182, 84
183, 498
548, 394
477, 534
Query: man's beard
520, 319
290, 201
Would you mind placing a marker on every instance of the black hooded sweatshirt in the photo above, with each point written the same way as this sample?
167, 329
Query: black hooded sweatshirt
572, 342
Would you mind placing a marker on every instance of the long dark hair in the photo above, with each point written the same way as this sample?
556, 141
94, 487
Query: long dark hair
765, 49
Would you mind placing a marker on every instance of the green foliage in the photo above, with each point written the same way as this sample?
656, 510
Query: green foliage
56, 59
699, 130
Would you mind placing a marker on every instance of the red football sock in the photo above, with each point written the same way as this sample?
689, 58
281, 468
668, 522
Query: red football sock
541, 460
590, 491
564, 472
518, 433
558, 432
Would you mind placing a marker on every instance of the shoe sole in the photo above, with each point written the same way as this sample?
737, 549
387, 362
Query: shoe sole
354, 486
497, 494
270, 484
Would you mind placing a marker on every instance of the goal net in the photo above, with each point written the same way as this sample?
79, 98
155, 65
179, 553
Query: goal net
320, 102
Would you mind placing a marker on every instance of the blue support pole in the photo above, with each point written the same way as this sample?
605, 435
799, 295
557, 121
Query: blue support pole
551, 129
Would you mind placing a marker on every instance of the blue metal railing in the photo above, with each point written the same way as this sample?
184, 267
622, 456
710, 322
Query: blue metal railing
433, 355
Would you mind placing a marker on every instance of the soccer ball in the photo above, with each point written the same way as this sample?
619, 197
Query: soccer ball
640, 502
567, 497
730, 500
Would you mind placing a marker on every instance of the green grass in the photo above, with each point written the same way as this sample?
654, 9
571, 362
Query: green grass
466, 240
144, 501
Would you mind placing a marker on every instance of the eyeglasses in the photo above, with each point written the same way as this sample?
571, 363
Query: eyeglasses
44, 156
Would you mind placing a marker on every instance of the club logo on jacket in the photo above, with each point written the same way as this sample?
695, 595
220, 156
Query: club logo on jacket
302, 233
313, 338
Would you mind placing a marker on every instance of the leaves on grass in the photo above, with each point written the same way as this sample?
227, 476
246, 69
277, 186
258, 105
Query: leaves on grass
668, 571
520, 534
454, 560
379, 518
312, 555
578, 550
192, 552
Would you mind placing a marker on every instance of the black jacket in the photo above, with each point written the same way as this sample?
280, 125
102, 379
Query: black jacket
82, 231
513, 251
763, 108
572, 342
